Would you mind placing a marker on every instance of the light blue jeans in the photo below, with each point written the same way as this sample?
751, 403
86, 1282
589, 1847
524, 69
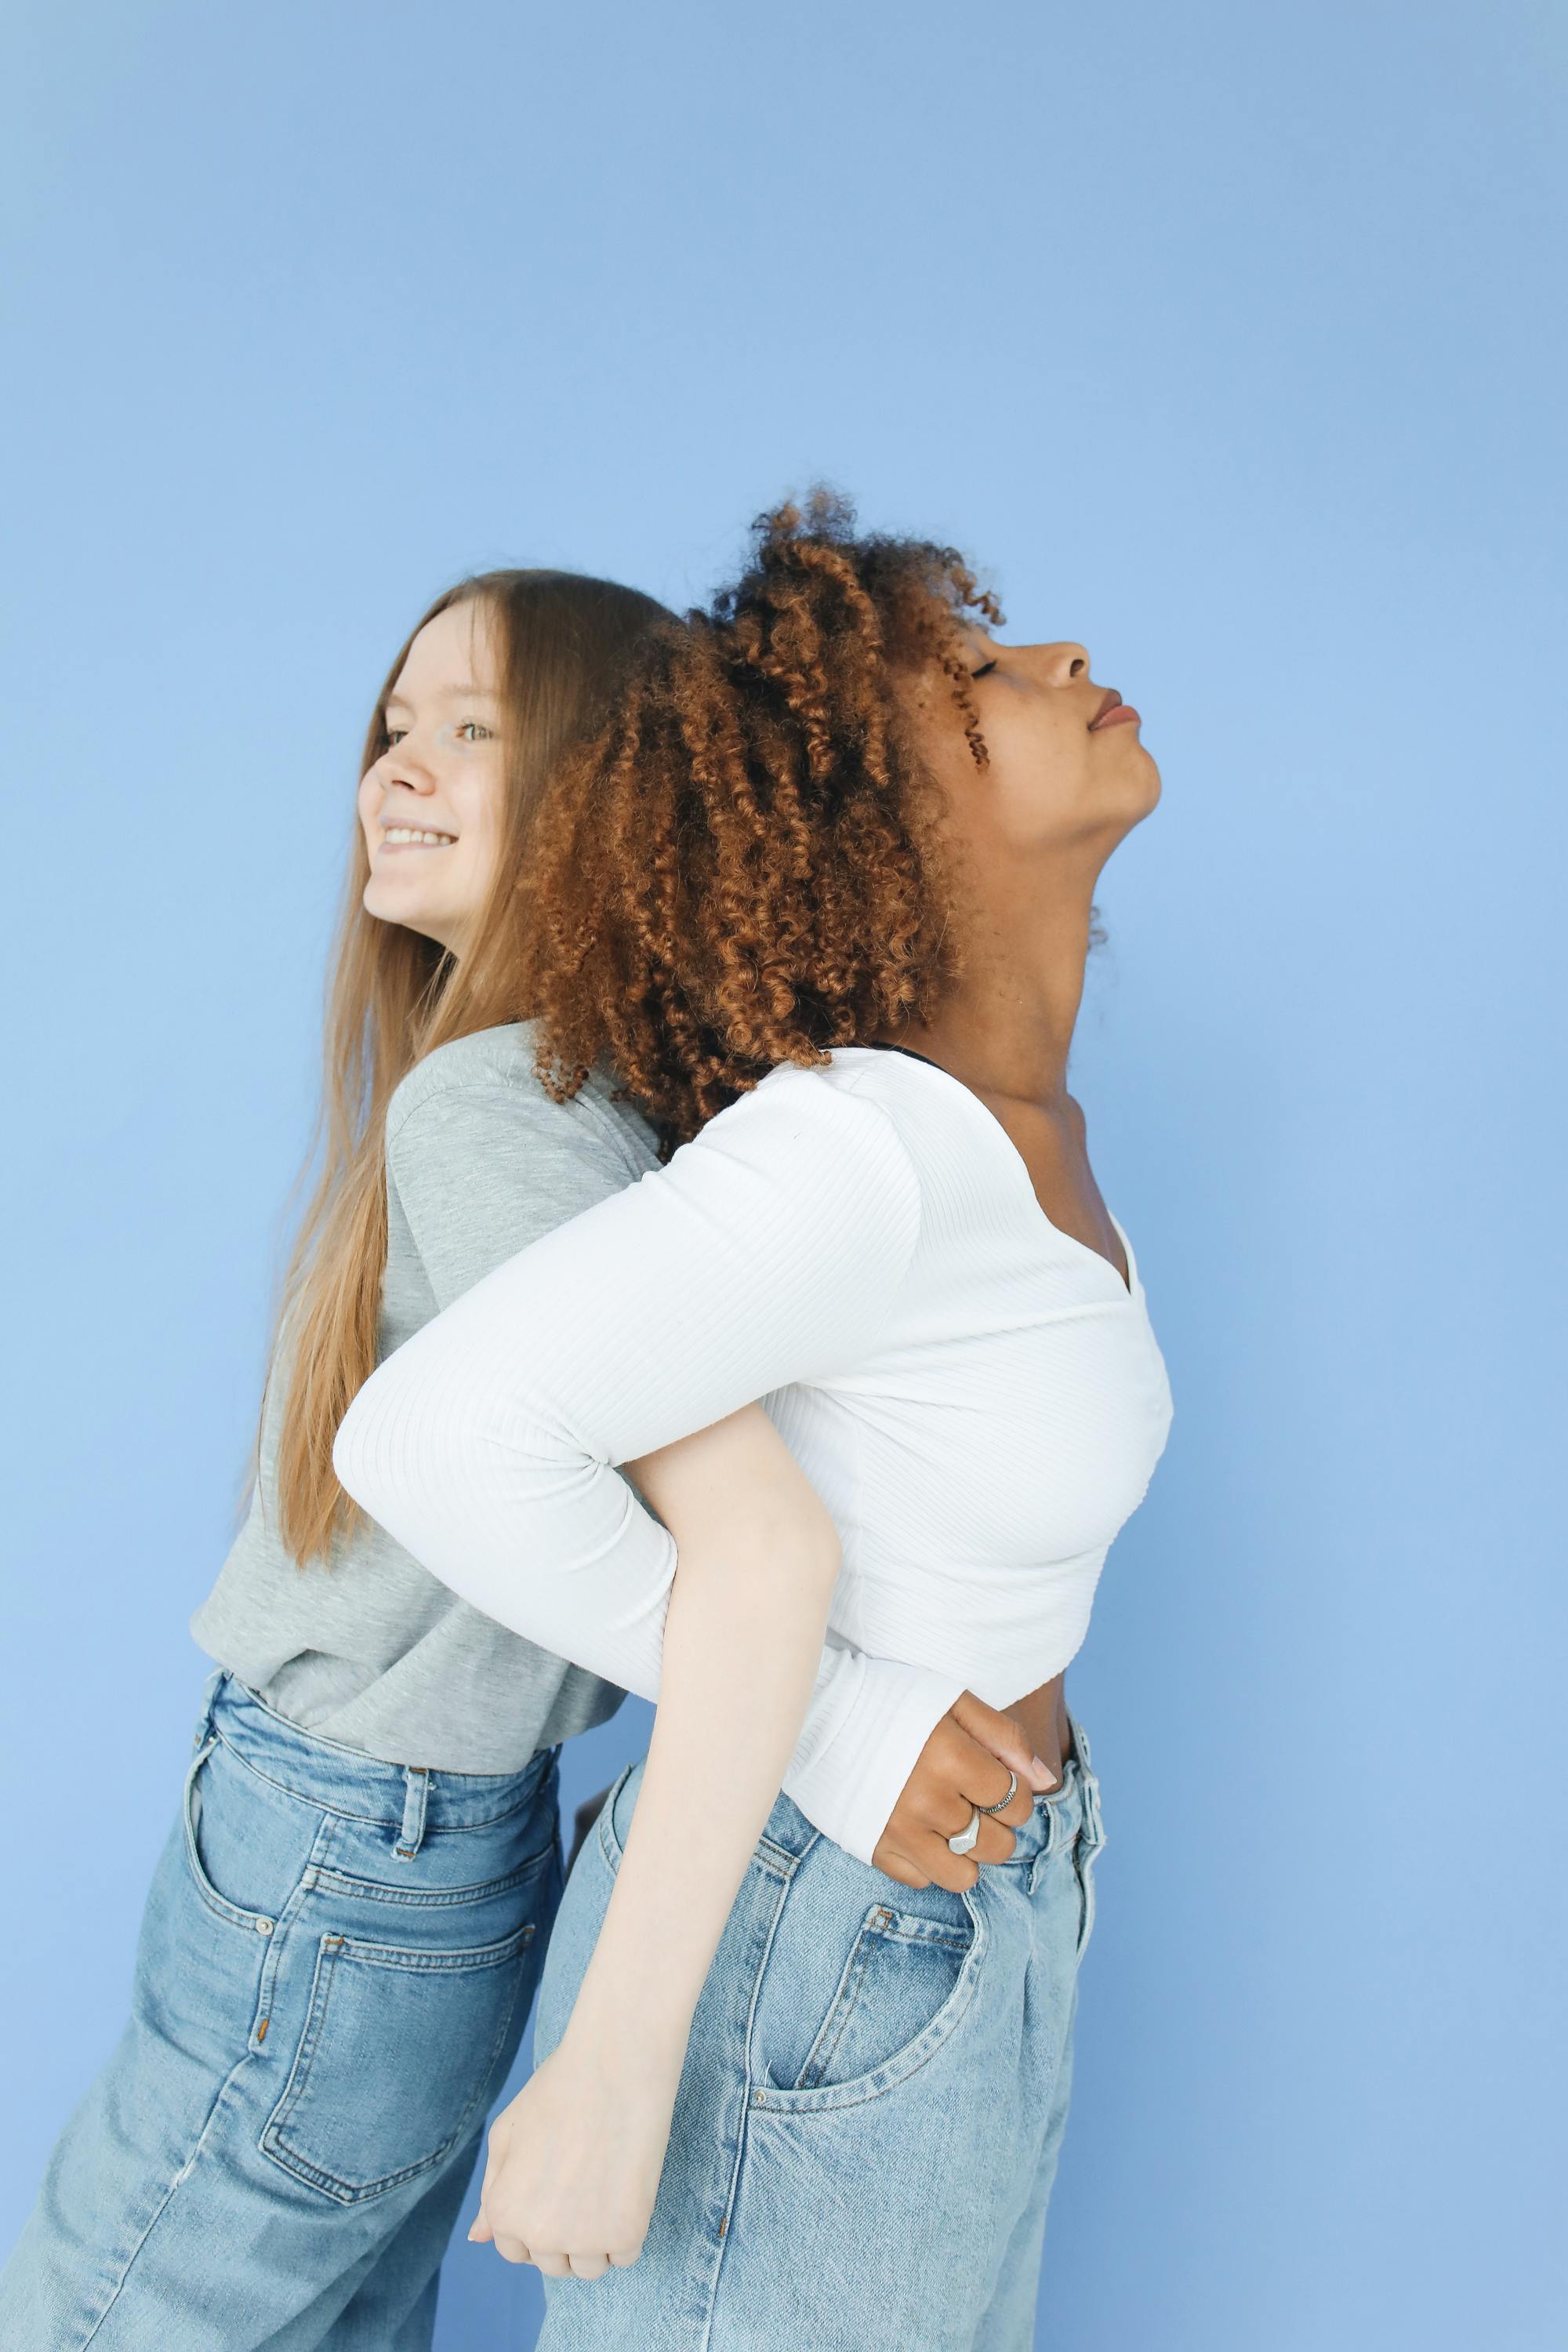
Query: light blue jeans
872, 2105
334, 1970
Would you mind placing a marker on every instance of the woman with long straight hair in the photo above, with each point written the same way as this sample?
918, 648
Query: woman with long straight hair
876, 1352
342, 1937
343, 1934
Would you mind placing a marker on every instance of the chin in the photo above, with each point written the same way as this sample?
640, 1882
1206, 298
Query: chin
1145, 784
394, 907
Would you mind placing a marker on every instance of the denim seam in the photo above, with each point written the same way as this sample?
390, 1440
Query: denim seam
609, 1844
782, 1881
457, 1958
233, 1914
377, 1821
830, 2099
881, 1925
375, 1890
820, 2057
176, 2181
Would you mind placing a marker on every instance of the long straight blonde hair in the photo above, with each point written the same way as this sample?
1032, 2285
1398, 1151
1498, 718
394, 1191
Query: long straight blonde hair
568, 643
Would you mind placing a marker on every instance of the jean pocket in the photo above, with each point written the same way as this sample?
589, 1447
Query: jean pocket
904, 1990
398, 2059
237, 1915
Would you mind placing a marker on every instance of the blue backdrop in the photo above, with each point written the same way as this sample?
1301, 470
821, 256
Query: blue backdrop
1229, 338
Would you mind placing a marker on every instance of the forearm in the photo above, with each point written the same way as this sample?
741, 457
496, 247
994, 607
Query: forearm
758, 1557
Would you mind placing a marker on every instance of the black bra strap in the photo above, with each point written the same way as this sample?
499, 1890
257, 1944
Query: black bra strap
880, 1045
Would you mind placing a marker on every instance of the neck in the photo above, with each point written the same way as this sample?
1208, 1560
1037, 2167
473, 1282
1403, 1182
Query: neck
1005, 1025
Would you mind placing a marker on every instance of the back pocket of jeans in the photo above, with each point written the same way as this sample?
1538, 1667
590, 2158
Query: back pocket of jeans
396, 2066
901, 1974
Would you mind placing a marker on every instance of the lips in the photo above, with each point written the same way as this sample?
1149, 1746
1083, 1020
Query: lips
1113, 712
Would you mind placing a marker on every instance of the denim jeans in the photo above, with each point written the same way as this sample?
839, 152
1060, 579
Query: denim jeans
872, 2104
334, 1970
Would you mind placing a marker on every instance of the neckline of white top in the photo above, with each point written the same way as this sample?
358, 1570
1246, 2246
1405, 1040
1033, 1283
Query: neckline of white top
1133, 1288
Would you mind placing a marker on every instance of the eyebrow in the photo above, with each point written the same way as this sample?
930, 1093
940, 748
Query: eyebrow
468, 693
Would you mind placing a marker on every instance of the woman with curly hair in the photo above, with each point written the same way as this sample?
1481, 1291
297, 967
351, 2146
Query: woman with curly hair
875, 1351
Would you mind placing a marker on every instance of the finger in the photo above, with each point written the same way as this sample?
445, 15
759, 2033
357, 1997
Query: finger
497, 2141
513, 2250
997, 1780
956, 1872
1018, 1807
553, 2265
893, 1863
587, 2266
1003, 1738
996, 1841
481, 2234
950, 1816
977, 1780
624, 2259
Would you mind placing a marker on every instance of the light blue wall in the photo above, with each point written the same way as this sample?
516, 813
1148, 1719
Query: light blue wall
1230, 336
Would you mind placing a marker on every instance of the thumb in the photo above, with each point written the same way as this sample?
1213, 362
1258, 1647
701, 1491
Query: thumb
1001, 1737
481, 2234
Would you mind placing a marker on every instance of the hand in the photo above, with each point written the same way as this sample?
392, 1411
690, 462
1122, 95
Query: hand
573, 2163
965, 1763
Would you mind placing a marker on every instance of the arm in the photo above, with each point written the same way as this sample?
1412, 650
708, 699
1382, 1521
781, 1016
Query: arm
769, 1249
482, 1165
573, 2162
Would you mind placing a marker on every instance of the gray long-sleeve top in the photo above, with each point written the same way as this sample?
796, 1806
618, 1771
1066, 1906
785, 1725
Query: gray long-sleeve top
371, 1649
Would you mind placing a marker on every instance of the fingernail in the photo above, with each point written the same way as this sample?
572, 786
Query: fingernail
1044, 1772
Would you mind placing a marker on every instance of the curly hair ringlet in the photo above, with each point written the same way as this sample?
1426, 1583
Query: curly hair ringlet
744, 866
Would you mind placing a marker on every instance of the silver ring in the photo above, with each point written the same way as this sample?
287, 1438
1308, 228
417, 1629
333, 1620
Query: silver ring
1003, 1802
967, 1839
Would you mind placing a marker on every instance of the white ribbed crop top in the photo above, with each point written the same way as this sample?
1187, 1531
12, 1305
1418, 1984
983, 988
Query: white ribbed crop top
977, 1397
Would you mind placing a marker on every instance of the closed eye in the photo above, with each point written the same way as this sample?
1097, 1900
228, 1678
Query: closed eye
984, 670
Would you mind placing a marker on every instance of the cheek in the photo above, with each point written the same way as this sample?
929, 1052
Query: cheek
481, 811
1041, 770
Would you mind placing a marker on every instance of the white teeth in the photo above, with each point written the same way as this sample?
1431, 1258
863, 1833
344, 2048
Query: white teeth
407, 833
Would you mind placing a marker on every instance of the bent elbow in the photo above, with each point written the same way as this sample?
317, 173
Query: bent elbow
374, 1449
454, 1474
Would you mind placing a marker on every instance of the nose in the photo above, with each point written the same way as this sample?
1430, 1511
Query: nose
402, 765
1065, 665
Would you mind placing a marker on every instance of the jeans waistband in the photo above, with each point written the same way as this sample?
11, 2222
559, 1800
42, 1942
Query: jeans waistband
346, 1781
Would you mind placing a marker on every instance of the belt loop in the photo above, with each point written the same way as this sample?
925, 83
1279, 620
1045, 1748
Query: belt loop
209, 1700
416, 1779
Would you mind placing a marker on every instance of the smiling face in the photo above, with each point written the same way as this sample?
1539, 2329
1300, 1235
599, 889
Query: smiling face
1066, 772
432, 804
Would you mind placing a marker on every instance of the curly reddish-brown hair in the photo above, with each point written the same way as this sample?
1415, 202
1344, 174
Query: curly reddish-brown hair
744, 868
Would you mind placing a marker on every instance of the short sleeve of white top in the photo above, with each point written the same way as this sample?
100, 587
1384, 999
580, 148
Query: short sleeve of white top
977, 1397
